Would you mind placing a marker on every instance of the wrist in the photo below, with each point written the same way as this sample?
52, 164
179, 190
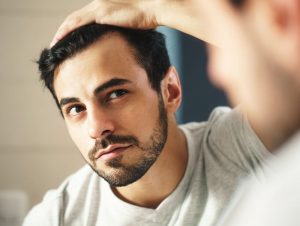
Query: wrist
161, 12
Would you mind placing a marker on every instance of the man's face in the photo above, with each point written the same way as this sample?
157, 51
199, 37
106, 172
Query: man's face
118, 122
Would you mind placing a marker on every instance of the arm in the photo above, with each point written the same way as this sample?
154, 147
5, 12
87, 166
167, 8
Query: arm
189, 16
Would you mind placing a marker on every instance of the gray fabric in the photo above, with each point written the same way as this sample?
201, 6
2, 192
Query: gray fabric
273, 201
221, 152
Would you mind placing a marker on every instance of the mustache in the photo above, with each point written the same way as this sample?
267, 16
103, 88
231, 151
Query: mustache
112, 139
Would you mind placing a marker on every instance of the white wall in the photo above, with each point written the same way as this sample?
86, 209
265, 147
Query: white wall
36, 153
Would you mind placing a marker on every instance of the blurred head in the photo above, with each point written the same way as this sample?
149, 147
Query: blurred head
118, 95
257, 63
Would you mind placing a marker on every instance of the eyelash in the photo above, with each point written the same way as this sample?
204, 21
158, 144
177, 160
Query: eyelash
117, 92
69, 109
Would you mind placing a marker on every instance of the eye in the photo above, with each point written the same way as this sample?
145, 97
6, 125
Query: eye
75, 110
116, 94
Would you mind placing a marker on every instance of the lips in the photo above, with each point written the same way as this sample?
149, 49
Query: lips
111, 151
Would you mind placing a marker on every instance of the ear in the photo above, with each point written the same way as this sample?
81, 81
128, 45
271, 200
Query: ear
287, 13
171, 90
287, 22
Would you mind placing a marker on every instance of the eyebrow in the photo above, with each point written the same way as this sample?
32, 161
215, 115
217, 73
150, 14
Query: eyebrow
109, 84
67, 100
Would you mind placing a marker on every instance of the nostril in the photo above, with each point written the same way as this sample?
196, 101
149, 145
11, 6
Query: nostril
104, 143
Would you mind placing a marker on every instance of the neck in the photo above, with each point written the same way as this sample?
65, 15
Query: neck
163, 176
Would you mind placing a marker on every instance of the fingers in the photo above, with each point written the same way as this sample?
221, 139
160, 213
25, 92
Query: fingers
77, 19
119, 13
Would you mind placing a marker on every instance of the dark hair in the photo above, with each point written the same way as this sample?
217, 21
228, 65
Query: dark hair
238, 3
148, 47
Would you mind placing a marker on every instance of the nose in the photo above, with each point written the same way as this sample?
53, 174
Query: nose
99, 123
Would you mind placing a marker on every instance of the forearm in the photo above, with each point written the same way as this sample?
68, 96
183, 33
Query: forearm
192, 17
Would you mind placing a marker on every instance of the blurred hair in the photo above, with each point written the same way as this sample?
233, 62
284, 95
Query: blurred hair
149, 50
238, 3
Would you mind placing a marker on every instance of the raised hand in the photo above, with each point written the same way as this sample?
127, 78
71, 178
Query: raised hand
194, 17
130, 13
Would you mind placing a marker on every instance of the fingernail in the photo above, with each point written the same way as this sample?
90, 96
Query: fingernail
53, 42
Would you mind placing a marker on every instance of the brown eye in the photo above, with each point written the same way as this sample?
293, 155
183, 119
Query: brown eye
116, 94
75, 110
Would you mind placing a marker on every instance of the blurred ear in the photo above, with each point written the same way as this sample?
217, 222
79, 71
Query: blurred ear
274, 26
287, 14
171, 90
287, 22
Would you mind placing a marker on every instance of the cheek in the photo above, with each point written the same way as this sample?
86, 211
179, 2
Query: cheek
139, 120
80, 138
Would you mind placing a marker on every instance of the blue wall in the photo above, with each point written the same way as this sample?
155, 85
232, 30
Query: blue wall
188, 55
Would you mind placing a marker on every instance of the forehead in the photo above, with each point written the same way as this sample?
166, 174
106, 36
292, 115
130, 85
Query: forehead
109, 57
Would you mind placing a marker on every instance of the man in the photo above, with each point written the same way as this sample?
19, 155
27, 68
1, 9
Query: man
258, 66
257, 39
118, 94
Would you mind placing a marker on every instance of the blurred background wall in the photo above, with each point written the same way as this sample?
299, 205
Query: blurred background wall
36, 153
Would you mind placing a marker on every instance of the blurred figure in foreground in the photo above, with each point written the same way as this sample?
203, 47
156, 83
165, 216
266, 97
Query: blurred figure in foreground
260, 68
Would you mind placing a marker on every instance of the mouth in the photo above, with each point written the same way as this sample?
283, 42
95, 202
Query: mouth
111, 151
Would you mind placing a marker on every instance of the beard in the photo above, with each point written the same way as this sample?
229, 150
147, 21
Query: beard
121, 174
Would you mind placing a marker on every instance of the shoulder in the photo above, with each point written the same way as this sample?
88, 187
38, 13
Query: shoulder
216, 120
204, 135
227, 136
228, 124
72, 184
231, 128
225, 115
58, 202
